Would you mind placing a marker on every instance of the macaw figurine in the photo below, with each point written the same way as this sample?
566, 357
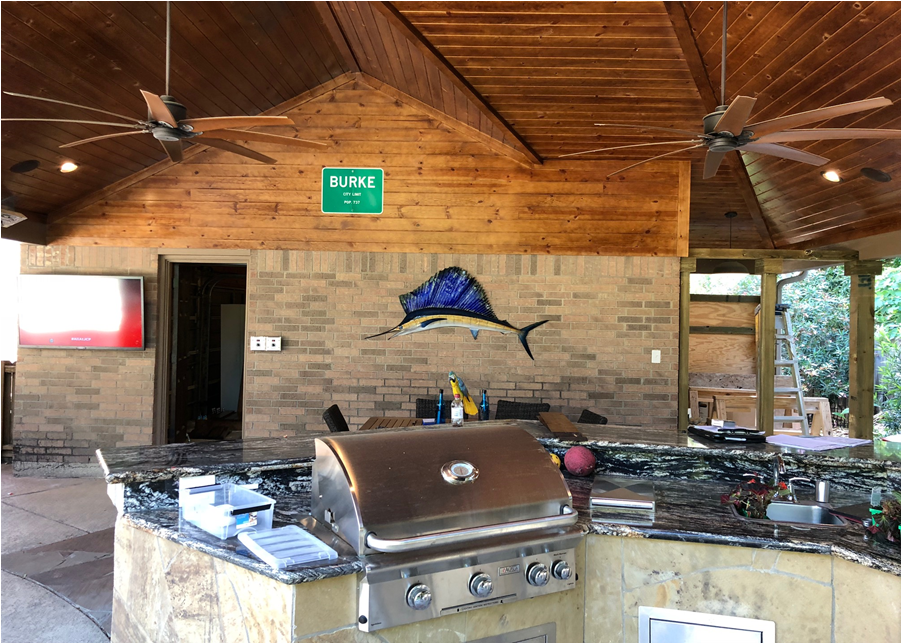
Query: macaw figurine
460, 389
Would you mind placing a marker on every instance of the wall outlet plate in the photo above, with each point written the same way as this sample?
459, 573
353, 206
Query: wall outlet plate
257, 343
274, 344
655, 356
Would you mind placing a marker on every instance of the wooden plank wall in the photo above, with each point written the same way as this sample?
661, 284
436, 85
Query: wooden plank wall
722, 353
444, 192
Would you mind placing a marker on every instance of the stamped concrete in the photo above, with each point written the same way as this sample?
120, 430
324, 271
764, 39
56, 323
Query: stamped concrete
57, 544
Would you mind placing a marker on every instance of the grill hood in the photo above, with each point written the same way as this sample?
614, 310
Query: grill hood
411, 490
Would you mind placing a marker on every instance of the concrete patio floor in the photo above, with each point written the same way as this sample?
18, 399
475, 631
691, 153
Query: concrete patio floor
56, 555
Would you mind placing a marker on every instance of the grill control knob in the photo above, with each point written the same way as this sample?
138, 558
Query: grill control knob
561, 570
538, 574
481, 585
419, 597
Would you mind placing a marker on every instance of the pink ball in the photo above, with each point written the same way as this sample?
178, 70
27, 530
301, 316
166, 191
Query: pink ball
579, 461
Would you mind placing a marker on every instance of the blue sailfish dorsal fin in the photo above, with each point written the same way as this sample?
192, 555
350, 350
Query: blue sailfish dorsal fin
451, 288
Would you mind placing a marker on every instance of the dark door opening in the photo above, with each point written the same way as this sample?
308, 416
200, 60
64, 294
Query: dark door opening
205, 389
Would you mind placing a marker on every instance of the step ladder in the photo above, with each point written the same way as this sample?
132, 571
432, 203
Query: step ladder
787, 359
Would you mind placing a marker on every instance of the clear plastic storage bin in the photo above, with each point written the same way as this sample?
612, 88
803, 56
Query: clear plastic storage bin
225, 509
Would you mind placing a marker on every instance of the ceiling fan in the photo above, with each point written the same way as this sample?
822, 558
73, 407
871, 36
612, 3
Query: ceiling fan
167, 123
727, 129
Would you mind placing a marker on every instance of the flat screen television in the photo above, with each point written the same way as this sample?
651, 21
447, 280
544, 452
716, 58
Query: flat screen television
81, 311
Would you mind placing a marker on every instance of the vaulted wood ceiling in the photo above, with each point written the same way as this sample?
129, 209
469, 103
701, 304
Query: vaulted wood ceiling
534, 77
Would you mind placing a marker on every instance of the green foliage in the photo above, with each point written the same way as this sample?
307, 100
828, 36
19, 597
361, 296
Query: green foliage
821, 317
888, 344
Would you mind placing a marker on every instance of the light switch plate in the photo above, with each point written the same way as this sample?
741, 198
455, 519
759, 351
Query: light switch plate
274, 344
257, 343
655, 356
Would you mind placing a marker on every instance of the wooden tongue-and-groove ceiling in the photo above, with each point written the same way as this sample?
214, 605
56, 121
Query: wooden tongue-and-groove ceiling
534, 77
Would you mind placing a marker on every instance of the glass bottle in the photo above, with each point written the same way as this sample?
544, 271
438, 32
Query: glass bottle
438, 419
483, 408
457, 411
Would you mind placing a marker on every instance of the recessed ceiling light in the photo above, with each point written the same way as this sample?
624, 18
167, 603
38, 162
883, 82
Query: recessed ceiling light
68, 166
876, 175
25, 166
831, 175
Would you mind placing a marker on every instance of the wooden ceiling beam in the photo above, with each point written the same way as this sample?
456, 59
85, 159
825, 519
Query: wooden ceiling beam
398, 21
685, 36
336, 33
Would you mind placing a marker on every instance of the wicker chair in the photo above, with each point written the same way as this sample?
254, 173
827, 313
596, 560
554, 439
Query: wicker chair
591, 418
335, 419
428, 408
521, 411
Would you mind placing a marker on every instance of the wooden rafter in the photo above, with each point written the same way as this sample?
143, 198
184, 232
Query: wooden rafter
336, 33
431, 53
682, 28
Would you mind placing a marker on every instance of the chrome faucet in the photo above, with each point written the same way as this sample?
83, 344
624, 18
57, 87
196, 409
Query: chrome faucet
791, 486
778, 469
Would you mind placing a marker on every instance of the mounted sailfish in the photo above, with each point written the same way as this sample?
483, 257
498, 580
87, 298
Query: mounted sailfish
452, 297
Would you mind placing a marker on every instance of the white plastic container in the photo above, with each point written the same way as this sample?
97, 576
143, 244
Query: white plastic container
287, 546
225, 509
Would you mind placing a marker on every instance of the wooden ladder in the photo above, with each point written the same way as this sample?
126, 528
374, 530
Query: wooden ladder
787, 359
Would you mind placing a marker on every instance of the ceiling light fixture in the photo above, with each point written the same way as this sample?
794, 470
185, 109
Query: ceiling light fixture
832, 175
730, 265
25, 166
68, 166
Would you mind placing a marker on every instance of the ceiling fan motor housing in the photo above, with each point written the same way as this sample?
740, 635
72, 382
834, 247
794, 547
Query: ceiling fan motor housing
178, 110
711, 120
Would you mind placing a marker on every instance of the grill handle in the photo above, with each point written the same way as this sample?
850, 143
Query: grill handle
568, 517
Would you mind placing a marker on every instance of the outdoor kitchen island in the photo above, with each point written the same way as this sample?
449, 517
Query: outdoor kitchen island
816, 583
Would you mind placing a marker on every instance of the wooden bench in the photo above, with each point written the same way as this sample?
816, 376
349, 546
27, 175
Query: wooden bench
742, 405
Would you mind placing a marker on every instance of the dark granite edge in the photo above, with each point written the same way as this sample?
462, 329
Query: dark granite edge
870, 560
152, 475
291, 577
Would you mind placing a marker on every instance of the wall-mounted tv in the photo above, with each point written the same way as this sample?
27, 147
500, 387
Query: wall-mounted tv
81, 311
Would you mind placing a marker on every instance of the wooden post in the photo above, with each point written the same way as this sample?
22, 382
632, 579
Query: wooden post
768, 269
686, 268
861, 347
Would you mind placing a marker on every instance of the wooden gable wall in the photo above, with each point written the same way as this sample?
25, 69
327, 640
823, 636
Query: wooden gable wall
446, 190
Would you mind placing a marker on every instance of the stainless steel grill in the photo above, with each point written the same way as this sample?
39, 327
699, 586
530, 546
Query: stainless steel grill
447, 519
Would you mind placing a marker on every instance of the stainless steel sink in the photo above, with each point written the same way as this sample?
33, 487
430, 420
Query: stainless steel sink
797, 513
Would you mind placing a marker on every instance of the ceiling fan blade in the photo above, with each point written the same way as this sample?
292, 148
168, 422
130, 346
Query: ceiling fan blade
130, 127
784, 152
207, 124
84, 107
712, 163
650, 127
803, 118
158, 110
100, 138
623, 147
244, 135
173, 149
828, 133
237, 149
736, 115
700, 145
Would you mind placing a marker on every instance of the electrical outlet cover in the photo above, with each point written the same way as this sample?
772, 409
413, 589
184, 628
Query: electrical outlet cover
655, 356
274, 344
257, 343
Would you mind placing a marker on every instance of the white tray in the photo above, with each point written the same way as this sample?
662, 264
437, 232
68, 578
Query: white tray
287, 546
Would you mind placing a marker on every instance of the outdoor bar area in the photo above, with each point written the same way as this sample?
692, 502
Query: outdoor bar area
418, 322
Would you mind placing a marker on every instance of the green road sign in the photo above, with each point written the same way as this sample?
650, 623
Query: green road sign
348, 191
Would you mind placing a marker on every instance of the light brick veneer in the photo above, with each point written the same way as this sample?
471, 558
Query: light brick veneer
607, 314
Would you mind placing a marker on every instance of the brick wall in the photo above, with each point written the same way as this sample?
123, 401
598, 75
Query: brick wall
606, 313
69, 402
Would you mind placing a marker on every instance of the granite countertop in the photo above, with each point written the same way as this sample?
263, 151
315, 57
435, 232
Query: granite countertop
686, 511
166, 462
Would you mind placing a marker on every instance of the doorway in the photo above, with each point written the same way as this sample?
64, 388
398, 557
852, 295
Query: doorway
200, 357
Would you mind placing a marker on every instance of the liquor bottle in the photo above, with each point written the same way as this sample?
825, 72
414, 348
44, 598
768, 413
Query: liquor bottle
483, 408
457, 411
438, 419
